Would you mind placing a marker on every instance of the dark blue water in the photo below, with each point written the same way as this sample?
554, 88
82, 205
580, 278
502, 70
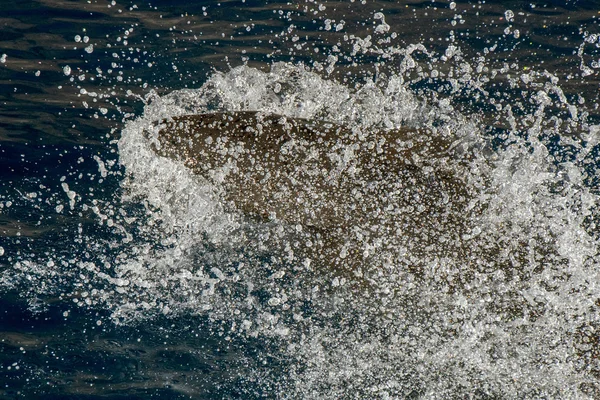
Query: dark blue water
51, 129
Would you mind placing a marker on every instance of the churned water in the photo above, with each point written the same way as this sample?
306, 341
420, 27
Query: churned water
124, 274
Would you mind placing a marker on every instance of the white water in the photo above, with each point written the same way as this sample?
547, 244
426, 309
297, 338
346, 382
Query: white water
511, 327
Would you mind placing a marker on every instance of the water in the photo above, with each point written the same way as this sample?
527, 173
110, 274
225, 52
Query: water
124, 274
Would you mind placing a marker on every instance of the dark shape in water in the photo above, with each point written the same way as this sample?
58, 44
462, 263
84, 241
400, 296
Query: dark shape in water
362, 199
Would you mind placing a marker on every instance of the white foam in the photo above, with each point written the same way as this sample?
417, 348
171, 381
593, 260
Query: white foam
518, 205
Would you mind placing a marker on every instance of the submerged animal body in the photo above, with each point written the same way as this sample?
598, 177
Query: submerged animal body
358, 200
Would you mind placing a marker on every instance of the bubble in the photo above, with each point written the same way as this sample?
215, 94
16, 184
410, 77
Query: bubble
274, 301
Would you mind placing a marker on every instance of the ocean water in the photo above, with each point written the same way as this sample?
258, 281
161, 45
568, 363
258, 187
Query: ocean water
123, 274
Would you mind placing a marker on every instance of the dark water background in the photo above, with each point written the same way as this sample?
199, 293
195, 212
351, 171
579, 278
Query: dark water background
46, 132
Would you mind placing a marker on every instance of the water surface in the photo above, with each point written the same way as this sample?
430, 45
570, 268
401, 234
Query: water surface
121, 275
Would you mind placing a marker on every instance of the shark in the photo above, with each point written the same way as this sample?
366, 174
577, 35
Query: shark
357, 199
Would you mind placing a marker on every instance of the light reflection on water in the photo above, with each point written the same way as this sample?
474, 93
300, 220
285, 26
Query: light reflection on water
52, 128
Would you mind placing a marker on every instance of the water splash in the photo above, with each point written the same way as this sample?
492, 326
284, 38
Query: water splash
516, 317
